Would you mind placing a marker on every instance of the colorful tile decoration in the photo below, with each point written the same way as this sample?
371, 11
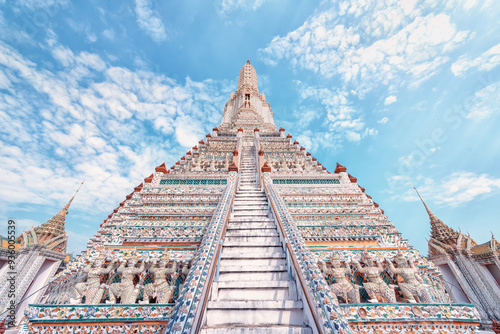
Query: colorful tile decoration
91, 313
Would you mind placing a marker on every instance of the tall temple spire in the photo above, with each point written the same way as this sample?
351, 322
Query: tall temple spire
247, 109
64, 211
248, 78
55, 225
432, 217
439, 230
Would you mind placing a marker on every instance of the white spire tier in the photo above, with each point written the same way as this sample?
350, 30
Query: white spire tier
247, 108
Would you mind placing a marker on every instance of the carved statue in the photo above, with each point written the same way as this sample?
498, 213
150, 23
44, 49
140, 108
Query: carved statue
296, 164
92, 289
438, 291
376, 288
160, 289
284, 164
413, 283
211, 166
126, 289
196, 166
342, 286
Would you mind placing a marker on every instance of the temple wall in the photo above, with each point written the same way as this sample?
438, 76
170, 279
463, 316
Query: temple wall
41, 279
494, 271
453, 285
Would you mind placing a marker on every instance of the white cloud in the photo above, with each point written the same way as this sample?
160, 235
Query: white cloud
109, 33
463, 187
91, 37
455, 189
485, 62
486, 102
37, 4
149, 20
334, 109
370, 43
390, 100
84, 119
4, 81
383, 120
188, 131
227, 6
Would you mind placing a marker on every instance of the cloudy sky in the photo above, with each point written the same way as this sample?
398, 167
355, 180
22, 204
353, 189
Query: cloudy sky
403, 92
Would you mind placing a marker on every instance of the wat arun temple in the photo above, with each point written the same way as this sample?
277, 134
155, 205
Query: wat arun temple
249, 233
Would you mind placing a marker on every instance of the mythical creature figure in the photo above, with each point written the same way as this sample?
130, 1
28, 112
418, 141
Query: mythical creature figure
126, 289
413, 283
196, 166
92, 289
376, 288
160, 289
342, 286
438, 291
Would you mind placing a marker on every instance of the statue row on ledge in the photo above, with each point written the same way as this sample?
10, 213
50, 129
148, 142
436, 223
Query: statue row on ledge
126, 290
378, 290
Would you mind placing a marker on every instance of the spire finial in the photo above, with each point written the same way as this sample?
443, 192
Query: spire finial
55, 225
439, 230
64, 210
432, 217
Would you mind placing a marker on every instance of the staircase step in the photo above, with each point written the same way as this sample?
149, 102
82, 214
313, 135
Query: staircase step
249, 291
254, 240
256, 261
261, 219
255, 290
249, 226
255, 244
246, 255
255, 284
253, 204
254, 191
257, 251
256, 305
250, 193
262, 198
253, 269
247, 207
244, 233
251, 213
254, 312
253, 276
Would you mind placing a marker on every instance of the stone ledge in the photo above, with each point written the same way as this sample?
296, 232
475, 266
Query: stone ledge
409, 312
39, 313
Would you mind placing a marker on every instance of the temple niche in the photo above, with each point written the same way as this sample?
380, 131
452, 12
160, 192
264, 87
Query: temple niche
248, 232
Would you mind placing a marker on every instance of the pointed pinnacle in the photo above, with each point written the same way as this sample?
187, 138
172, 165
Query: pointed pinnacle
64, 210
432, 217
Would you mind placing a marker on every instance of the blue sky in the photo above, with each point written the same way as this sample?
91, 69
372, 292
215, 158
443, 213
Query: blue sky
403, 93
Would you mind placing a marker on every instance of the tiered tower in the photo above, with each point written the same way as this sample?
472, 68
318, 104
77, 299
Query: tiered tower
39, 253
248, 233
471, 271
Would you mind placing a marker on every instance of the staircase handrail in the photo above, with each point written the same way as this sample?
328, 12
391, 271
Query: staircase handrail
203, 305
257, 162
290, 255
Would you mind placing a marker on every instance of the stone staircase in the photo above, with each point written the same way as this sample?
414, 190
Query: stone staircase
254, 293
